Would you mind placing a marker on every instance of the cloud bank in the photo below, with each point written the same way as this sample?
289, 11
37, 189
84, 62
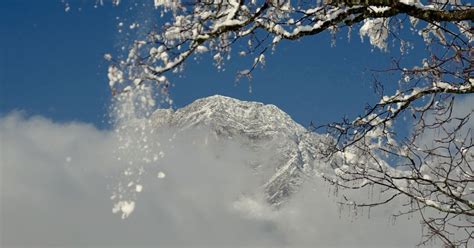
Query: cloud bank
58, 179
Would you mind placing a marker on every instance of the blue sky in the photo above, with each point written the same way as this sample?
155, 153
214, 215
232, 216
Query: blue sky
52, 65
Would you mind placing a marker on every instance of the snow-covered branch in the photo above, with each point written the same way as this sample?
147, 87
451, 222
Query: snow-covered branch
214, 26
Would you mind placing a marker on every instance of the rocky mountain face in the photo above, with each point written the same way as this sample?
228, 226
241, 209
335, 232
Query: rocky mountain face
292, 149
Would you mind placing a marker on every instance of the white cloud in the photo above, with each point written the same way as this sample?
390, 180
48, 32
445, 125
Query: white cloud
462, 107
57, 180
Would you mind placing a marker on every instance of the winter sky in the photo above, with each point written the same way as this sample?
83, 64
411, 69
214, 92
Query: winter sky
52, 65
56, 145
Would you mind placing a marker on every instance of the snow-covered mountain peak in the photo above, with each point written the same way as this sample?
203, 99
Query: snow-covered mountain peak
263, 128
231, 116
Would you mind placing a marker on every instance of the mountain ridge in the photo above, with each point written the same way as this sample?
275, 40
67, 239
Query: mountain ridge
259, 125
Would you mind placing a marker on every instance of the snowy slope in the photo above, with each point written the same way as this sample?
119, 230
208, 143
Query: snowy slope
263, 128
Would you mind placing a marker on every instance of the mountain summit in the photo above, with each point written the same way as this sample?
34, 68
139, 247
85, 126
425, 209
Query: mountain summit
293, 150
